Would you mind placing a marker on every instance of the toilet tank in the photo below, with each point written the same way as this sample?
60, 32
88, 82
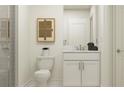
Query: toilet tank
45, 62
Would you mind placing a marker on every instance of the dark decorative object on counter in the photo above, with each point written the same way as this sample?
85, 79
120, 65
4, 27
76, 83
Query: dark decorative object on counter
45, 51
92, 47
90, 44
45, 48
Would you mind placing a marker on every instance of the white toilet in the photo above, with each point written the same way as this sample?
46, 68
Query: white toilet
44, 66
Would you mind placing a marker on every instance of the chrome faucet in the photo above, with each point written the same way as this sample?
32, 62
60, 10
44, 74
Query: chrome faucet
79, 47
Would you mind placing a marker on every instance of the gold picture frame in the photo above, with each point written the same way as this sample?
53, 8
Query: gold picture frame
45, 29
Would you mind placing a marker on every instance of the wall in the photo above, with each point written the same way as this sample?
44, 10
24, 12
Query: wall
105, 43
23, 46
55, 47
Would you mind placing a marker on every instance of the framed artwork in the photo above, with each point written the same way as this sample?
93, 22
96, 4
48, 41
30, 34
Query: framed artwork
45, 29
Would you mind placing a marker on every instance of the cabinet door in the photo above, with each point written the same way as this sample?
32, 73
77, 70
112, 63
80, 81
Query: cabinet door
90, 73
71, 73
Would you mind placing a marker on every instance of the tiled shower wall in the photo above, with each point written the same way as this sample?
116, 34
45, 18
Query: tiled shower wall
7, 49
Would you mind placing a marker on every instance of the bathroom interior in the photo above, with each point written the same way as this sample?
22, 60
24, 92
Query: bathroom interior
61, 46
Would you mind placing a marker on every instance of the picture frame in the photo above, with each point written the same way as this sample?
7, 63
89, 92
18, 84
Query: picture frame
45, 29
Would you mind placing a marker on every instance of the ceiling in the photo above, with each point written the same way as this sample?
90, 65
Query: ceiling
81, 7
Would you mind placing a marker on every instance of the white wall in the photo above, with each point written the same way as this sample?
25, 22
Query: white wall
102, 29
56, 47
105, 43
23, 46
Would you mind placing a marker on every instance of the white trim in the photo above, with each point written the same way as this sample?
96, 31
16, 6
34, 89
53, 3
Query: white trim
114, 45
55, 83
16, 45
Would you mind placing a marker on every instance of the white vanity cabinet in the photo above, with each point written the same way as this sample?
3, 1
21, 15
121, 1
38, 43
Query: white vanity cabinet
81, 68
71, 73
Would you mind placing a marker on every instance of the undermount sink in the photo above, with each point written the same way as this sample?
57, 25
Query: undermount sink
73, 48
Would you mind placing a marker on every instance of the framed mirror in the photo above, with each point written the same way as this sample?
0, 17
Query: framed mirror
91, 28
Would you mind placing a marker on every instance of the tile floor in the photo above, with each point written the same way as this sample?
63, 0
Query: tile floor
50, 84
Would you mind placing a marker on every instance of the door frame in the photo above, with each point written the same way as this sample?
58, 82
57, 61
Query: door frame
115, 29
16, 46
114, 43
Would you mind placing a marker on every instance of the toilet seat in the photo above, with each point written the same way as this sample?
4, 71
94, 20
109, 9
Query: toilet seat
42, 71
44, 74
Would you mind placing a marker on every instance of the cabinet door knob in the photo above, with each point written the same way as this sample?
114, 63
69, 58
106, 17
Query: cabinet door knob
120, 50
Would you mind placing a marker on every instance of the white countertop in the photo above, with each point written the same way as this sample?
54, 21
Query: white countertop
45, 57
80, 51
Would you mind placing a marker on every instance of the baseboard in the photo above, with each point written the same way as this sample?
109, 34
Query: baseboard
52, 83
106, 85
55, 83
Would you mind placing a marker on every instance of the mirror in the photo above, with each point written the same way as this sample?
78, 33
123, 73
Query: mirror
77, 25
91, 28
